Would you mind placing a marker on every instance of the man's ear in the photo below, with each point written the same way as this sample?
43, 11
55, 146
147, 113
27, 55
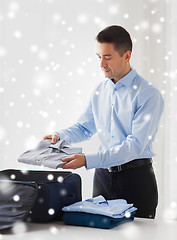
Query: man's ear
127, 56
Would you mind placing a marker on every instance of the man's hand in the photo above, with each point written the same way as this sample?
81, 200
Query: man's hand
55, 137
74, 162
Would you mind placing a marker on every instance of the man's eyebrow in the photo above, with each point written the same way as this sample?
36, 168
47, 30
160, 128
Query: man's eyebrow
105, 55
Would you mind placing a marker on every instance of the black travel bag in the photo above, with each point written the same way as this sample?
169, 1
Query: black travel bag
36, 196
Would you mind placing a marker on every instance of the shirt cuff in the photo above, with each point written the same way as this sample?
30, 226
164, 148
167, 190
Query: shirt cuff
63, 136
91, 161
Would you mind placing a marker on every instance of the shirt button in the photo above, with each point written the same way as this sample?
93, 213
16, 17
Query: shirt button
112, 136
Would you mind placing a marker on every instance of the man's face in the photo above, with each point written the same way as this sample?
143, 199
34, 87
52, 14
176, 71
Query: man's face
112, 64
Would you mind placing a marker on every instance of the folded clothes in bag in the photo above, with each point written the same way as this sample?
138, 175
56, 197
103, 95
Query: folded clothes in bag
36, 196
109, 213
48, 154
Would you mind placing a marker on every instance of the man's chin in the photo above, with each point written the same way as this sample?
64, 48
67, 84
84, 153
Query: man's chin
108, 76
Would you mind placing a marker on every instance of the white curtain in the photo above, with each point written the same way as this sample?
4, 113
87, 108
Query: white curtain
170, 115
48, 68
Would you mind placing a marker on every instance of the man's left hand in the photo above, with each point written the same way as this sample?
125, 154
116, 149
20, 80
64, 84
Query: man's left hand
74, 162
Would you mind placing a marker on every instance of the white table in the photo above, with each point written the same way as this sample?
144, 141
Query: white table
139, 229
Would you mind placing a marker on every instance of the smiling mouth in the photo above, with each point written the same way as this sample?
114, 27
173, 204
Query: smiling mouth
106, 70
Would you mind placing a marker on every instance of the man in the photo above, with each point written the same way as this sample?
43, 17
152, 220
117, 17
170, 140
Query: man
125, 111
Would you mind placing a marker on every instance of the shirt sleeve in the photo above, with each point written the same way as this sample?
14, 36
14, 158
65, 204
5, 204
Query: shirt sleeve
83, 129
144, 127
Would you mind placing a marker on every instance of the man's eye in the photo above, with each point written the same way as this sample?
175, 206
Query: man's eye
105, 58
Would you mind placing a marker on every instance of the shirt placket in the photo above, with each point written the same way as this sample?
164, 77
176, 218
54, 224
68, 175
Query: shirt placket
112, 116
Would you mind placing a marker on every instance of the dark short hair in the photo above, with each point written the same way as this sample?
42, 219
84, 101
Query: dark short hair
118, 36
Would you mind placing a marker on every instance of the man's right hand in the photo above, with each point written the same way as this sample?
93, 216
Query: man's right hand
54, 136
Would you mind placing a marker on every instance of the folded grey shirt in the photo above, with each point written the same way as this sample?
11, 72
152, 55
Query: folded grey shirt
48, 154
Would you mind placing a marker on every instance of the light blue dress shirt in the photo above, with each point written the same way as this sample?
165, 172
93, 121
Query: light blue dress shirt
116, 208
125, 115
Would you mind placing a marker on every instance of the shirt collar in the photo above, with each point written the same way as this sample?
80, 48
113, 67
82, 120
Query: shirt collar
128, 78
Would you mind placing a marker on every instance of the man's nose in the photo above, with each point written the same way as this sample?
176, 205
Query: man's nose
103, 63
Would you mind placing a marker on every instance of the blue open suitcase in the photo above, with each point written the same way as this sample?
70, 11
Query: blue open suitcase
36, 196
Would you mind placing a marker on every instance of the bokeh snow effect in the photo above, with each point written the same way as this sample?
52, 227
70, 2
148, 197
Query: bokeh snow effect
48, 69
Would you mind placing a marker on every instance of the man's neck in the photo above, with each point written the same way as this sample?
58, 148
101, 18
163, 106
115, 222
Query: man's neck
115, 80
